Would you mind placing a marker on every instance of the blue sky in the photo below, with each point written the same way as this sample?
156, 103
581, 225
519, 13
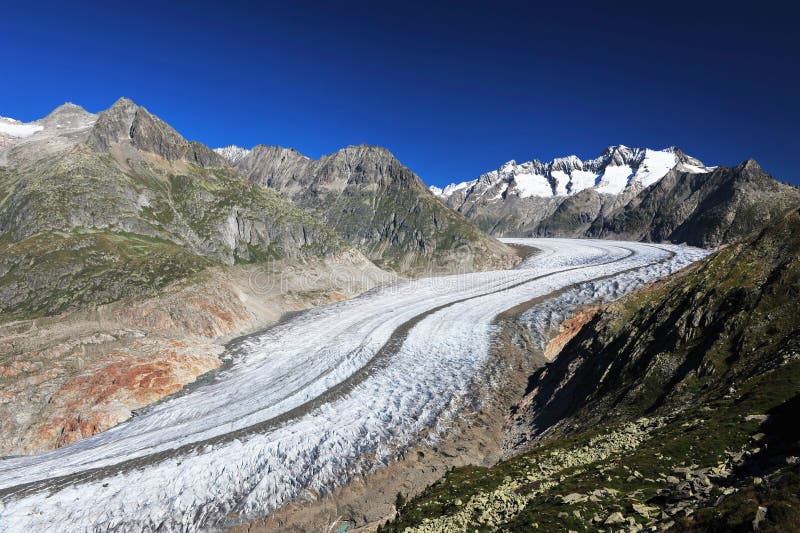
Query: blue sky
453, 89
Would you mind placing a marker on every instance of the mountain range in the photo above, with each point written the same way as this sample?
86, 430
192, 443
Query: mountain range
630, 193
374, 202
124, 189
130, 255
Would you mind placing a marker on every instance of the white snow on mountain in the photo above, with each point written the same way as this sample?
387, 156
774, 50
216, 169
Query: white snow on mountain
614, 179
232, 153
531, 184
617, 169
15, 128
655, 165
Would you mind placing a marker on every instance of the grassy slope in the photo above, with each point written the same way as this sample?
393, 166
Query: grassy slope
687, 362
81, 229
52, 272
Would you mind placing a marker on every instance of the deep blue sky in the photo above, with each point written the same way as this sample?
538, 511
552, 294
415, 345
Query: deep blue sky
453, 89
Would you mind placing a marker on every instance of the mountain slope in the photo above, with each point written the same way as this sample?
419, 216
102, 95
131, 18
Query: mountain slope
88, 196
673, 408
369, 198
701, 209
129, 257
630, 193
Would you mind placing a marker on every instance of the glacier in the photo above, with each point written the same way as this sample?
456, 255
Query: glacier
307, 404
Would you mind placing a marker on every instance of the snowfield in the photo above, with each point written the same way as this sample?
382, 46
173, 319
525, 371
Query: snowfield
307, 404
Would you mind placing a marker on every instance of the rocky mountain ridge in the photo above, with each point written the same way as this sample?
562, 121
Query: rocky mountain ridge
376, 203
618, 169
90, 196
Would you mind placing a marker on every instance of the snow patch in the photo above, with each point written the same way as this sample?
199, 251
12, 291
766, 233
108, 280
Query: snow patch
655, 166
15, 128
614, 179
232, 153
528, 184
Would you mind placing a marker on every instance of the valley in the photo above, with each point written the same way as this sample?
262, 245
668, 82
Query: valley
388, 267
309, 403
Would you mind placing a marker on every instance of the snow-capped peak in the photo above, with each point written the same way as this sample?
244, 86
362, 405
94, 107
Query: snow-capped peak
232, 153
617, 169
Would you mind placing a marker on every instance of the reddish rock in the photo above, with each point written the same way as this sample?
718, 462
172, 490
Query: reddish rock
567, 330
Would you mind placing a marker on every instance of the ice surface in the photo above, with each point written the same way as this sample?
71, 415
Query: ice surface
179, 466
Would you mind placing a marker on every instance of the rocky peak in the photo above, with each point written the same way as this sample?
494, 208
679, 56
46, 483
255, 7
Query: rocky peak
565, 164
68, 116
362, 153
619, 155
232, 153
365, 164
115, 124
126, 123
751, 165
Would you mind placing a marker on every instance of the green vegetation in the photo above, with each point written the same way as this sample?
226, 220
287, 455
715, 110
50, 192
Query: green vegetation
52, 272
81, 228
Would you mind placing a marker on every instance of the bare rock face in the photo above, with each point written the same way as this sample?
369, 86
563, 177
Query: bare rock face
567, 330
369, 198
125, 122
108, 389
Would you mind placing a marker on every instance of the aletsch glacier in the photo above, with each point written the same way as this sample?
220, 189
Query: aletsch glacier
254, 438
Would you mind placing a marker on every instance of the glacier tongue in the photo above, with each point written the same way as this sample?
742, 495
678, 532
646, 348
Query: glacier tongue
305, 405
